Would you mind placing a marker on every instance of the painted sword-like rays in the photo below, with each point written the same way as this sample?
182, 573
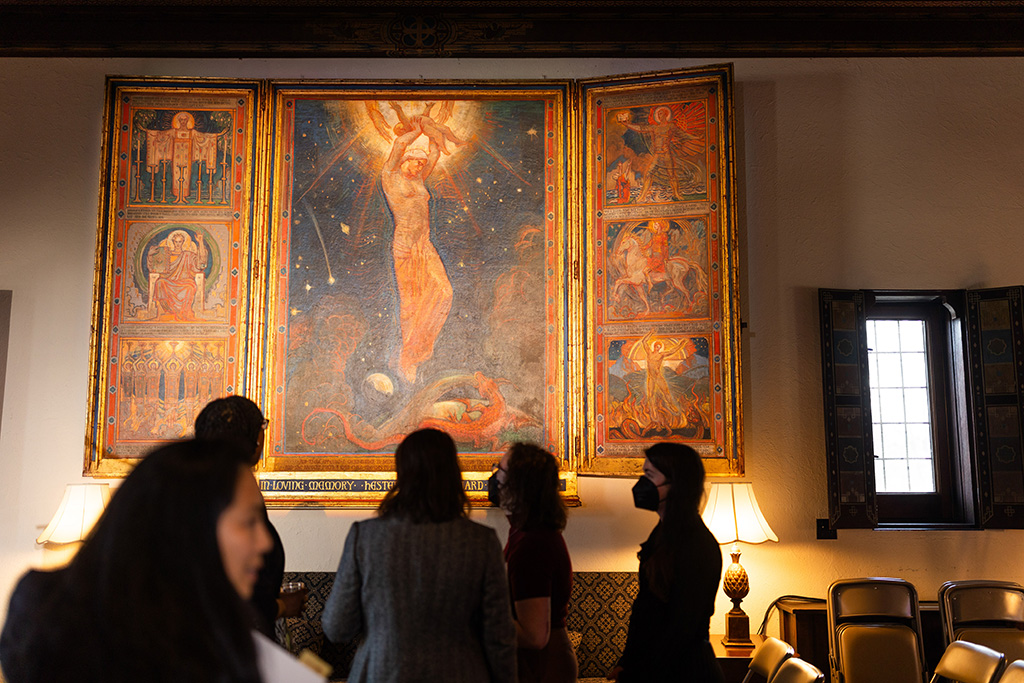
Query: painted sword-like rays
446, 196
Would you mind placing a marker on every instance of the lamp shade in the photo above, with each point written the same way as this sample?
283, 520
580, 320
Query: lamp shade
81, 506
732, 514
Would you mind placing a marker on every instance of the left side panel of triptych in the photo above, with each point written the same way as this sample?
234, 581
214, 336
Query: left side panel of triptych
178, 228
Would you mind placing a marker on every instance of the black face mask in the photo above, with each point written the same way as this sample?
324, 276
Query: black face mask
645, 495
494, 490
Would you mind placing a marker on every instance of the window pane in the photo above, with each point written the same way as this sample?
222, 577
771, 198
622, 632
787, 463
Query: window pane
894, 442
900, 406
916, 405
880, 476
921, 476
915, 370
890, 370
919, 441
887, 336
892, 405
896, 477
912, 335
872, 367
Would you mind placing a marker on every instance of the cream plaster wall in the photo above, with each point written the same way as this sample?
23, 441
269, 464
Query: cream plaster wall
853, 173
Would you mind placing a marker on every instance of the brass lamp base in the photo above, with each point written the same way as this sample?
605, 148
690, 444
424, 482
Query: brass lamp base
736, 585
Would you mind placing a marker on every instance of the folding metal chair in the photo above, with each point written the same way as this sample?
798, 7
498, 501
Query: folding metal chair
968, 663
1014, 673
875, 631
796, 670
989, 613
767, 659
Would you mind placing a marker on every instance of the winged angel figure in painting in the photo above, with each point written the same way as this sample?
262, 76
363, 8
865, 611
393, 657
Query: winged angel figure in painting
464, 288
179, 148
658, 388
662, 146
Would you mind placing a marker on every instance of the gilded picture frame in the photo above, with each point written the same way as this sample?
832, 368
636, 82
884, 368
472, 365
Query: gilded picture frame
545, 261
417, 278
663, 336
171, 306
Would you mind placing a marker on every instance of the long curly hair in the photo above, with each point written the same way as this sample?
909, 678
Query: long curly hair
530, 492
428, 482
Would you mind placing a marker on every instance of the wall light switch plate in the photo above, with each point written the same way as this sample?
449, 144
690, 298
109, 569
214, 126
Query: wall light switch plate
825, 532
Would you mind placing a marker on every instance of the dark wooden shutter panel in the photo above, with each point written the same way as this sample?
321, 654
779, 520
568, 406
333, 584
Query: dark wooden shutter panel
996, 360
848, 438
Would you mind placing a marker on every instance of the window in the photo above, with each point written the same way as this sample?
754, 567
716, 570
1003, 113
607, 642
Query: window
915, 435
919, 460
901, 418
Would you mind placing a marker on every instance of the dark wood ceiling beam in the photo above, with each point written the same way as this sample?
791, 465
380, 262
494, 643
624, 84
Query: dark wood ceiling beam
212, 29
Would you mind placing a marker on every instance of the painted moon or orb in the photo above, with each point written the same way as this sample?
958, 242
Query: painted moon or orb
381, 383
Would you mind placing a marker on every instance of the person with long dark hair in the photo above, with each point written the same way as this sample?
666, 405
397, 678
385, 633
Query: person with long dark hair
238, 419
525, 485
680, 570
157, 591
422, 584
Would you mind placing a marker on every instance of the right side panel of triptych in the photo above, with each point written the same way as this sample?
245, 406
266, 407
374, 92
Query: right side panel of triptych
662, 329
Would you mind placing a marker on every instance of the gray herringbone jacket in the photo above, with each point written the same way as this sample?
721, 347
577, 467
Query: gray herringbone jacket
430, 601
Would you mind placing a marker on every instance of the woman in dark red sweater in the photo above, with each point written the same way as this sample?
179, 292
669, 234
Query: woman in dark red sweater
525, 484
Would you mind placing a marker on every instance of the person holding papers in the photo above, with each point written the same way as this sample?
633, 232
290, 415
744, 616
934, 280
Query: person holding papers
158, 590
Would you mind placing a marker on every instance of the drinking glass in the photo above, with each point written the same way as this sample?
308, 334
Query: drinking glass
290, 587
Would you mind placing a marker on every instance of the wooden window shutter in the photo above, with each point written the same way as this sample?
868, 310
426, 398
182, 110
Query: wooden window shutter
996, 360
844, 361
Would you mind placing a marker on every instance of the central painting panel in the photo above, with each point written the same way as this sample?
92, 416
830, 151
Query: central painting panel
416, 250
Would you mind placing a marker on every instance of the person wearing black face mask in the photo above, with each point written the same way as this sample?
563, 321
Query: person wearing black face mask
680, 569
525, 485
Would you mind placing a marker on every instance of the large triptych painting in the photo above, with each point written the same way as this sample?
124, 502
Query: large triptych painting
541, 261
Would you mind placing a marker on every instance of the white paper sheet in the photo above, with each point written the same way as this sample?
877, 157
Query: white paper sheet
277, 665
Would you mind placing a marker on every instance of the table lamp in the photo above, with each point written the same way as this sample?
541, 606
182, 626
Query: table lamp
78, 511
733, 516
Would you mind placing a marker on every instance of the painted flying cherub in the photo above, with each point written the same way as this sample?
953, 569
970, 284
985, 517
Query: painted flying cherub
438, 132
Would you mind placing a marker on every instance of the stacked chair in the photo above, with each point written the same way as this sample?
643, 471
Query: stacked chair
966, 662
773, 660
767, 659
796, 670
989, 613
1014, 673
875, 631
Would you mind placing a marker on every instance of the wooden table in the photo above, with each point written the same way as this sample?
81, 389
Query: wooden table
734, 660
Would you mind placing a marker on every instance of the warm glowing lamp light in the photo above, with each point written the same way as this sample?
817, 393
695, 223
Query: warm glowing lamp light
732, 516
81, 506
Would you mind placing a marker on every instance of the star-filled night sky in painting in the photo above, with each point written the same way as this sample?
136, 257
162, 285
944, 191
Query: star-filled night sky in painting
415, 286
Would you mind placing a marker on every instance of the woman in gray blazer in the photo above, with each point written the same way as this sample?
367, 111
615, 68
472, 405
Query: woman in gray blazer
423, 585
